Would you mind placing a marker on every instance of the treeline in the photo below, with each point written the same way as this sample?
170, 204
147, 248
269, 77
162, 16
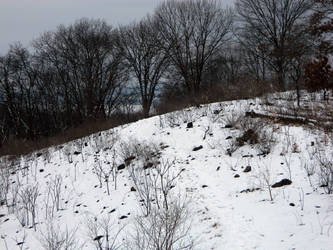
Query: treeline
189, 51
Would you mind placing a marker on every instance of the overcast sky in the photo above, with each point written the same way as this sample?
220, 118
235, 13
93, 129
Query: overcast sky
24, 20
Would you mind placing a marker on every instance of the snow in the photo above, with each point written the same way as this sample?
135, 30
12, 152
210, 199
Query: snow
222, 216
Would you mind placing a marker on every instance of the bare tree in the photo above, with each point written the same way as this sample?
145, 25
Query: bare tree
319, 72
268, 29
87, 67
144, 57
194, 31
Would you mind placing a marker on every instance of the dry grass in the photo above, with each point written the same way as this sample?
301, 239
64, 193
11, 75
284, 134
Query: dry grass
311, 112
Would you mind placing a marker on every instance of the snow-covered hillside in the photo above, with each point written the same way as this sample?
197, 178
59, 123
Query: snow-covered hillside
220, 162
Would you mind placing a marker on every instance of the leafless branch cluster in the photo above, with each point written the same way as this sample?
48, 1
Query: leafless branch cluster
105, 170
265, 177
4, 184
28, 199
164, 229
102, 233
52, 238
319, 162
140, 150
55, 191
154, 184
325, 172
232, 119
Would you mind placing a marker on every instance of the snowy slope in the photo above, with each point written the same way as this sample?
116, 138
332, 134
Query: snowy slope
225, 212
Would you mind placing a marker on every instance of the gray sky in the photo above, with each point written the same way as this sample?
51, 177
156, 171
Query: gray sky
24, 20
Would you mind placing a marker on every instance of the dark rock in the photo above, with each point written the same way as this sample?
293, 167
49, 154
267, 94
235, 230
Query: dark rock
204, 186
133, 189
148, 165
197, 148
218, 168
123, 217
323, 185
250, 114
249, 190
86, 144
76, 153
292, 204
76, 212
262, 154
129, 160
247, 156
164, 146
236, 176
41, 170
20, 243
228, 126
112, 211
2, 215
97, 238
281, 183
189, 125
6, 220
216, 112
121, 166
229, 137
247, 169
39, 154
